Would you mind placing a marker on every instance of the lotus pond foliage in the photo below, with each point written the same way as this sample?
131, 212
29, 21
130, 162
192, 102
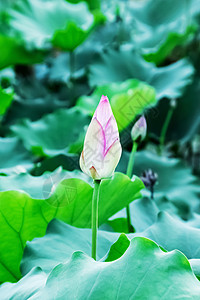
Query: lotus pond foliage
99, 149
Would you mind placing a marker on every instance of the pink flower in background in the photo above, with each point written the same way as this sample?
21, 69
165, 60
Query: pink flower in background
102, 149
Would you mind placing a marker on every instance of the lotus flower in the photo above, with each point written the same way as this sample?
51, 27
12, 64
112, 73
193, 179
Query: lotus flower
102, 149
139, 130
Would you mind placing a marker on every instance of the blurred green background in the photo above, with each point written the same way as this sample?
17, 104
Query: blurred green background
58, 57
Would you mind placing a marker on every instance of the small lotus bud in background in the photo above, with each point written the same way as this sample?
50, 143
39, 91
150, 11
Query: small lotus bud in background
102, 149
139, 130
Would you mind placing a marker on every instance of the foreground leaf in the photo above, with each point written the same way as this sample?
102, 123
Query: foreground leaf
22, 218
59, 243
135, 275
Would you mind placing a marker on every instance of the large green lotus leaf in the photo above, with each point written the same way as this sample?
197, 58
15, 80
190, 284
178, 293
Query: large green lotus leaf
13, 156
127, 99
126, 63
120, 187
122, 244
6, 98
135, 275
158, 36
175, 180
50, 24
22, 218
182, 236
59, 243
13, 52
40, 252
54, 133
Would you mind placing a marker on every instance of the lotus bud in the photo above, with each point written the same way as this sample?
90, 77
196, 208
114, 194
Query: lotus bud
102, 149
139, 130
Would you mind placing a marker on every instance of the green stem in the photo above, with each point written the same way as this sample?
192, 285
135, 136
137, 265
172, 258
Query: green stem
129, 173
71, 63
165, 127
95, 200
131, 160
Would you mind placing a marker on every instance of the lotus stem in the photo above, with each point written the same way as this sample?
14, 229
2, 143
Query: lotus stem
95, 201
129, 174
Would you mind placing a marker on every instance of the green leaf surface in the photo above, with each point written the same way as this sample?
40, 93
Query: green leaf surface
38, 187
118, 248
59, 243
26, 287
142, 267
175, 181
32, 108
119, 223
182, 236
22, 218
117, 66
54, 133
157, 36
69, 38
10, 45
127, 99
195, 264
13, 156
6, 98
173, 40
51, 22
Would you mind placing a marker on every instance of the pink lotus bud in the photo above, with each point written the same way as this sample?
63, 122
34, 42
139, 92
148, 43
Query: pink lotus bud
139, 130
102, 149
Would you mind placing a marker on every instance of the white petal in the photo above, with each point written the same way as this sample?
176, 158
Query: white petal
103, 111
111, 160
82, 165
94, 145
111, 132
